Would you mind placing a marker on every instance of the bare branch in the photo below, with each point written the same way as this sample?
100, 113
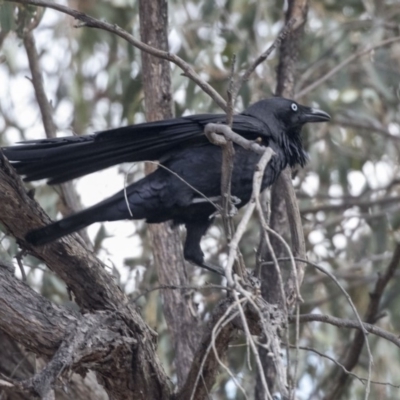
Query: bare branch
262, 57
68, 195
364, 332
257, 180
353, 353
234, 137
205, 363
37, 81
343, 64
102, 341
365, 125
352, 374
91, 22
87, 279
351, 202
349, 324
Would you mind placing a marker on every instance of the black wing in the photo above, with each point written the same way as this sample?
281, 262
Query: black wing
66, 158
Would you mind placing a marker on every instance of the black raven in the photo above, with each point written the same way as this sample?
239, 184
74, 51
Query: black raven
192, 172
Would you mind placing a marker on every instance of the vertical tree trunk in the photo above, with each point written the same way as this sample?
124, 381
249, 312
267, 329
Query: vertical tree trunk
282, 191
167, 246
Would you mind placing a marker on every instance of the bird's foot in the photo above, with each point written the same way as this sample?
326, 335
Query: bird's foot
233, 210
213, 268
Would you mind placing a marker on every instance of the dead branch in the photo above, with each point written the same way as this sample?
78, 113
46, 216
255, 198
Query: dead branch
101, 341
343, 64
69, 196
282, 192
262, 57
87, 279
17, 365
207, 368
353, 353
234, 137
352, 374
90, 22
349, 324
349, 203
182, 322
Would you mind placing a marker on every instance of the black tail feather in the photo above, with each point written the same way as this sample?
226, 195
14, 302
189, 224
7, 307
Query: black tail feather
58, 229
65, 158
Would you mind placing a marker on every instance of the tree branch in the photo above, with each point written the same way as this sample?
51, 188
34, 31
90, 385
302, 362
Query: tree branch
262, 57
344, 63
351, 202
285, 213
205, 362
91, 22
87, 279
338, 385
102, 341
68, 196
348, 324
167, 247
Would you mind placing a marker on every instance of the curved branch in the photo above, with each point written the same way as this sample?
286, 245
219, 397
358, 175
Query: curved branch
101, 341
85, 275
344, 63
348, 324
91, 22
69, 196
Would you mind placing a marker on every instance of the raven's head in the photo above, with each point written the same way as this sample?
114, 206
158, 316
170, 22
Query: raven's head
285, 118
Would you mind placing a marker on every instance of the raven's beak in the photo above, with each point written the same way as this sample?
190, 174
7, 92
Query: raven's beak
315, 115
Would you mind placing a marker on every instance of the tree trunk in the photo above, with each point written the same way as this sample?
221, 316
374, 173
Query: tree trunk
167, 248
285, 214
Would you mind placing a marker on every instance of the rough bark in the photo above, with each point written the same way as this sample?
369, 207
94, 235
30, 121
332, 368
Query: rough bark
285, 215
203, 370
93, 290
16, 363
112, 339
71, 340
283, 191
167, 248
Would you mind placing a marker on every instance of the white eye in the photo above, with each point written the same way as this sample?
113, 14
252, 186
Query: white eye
294, 106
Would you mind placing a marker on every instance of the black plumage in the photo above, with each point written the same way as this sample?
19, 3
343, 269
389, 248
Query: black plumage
181, 147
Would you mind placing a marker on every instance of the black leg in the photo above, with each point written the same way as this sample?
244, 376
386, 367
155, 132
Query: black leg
192, 250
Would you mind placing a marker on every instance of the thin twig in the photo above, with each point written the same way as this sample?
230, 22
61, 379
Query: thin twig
262, 57
252, 344
348, 324
177, 287
216, 330
351, 202
90, 22
361, 325
19, 257
291, 258
228, 153
362, 380
347, 61
257, 181
208, 199
68, 193
363, 124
